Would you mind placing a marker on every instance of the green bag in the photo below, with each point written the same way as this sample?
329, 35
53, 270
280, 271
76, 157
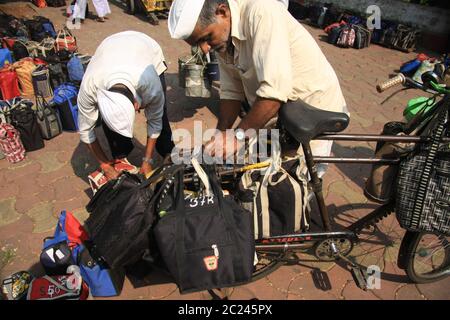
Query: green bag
416, 105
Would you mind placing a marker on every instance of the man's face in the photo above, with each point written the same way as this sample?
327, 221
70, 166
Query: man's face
216, 36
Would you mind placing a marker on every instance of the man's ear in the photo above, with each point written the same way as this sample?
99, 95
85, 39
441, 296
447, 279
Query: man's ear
136, 105
222, 10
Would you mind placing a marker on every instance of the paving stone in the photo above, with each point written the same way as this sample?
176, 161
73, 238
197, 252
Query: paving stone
409, 292
8, 213
436, 290
43, 217
25, 202
49, 162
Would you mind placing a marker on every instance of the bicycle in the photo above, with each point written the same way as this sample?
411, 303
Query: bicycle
308, 123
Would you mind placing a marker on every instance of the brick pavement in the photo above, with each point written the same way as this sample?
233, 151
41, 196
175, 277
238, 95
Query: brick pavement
33, 192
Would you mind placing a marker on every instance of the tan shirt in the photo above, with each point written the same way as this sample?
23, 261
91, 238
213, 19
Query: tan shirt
275, 57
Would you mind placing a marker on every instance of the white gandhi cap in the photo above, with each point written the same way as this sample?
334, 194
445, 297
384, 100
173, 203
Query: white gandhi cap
183, 16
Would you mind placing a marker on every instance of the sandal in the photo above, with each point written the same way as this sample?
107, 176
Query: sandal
100, 19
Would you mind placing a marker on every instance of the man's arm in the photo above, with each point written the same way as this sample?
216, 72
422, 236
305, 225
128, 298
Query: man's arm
87, 117
228, 112
146, 166
261, 112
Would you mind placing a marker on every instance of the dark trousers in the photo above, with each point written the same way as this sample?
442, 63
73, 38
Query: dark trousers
122, 146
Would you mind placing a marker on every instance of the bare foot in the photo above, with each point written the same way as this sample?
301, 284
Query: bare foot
100, 19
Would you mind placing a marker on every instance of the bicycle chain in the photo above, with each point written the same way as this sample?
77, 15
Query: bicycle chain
372, 218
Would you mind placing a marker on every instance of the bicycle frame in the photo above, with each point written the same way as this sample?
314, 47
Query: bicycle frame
306, 240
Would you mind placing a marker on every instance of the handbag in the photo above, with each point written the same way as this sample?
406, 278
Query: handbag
48, 119
41, 81
206, 242
423, 184
24, 120
65, 40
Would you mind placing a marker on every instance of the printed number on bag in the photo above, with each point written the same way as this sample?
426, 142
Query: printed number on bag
200, 201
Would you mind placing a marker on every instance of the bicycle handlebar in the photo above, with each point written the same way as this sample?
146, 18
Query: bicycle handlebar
398, 79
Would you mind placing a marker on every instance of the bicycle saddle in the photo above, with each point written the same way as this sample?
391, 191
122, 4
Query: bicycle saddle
305, 122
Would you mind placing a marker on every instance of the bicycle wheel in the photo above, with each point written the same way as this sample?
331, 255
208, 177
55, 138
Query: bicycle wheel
268, 262
427, 256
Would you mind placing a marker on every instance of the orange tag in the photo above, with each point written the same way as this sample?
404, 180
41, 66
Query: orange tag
211, 263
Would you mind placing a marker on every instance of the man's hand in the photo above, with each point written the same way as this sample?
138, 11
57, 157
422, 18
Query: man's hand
146, 168
109, 171
222, 145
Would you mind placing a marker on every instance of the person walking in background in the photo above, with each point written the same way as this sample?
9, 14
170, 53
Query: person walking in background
80, 9
102, 8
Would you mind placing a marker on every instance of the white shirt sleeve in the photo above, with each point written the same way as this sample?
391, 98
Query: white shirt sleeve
87, 118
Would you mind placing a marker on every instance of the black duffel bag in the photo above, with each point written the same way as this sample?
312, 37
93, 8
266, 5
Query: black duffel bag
24, 119
206, 242
121, 215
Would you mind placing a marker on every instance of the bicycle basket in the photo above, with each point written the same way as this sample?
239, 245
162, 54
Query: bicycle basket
423, 186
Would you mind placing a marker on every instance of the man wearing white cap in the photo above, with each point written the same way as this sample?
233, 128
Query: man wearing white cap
265, 56
125, 74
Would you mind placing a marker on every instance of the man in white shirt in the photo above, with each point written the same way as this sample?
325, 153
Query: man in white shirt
265, 57
125, 75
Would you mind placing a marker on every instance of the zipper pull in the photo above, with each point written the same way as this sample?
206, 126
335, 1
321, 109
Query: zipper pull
216, 250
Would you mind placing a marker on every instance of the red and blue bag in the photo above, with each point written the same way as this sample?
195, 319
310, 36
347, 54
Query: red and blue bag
102, 281
62, 287
56, 254
68, 247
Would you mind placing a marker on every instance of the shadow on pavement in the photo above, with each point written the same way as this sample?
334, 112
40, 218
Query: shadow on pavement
180, 107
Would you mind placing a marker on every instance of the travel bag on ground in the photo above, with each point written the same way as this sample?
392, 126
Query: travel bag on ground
56, 255
121, 215
10, 143
24, 119
48, 119
59, 287
41, 81
101, 279
206, 241
65, 99
15, 287
9, 84
24, 68
5, 57
65, 40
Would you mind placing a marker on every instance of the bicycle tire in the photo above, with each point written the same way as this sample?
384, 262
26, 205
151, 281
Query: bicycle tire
268, 262
416, 246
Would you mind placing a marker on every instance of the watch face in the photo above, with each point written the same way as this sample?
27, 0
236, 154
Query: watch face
240, 135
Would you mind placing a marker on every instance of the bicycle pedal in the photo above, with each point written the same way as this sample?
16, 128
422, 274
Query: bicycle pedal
359, 278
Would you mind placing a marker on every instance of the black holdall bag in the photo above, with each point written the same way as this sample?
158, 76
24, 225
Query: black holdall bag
24, 119
48, 119
206, 242
121, 216
57, 75
334, 34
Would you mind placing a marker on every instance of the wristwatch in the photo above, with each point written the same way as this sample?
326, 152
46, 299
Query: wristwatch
150, 161
239, 134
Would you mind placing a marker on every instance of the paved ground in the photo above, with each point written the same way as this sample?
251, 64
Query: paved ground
33, 192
